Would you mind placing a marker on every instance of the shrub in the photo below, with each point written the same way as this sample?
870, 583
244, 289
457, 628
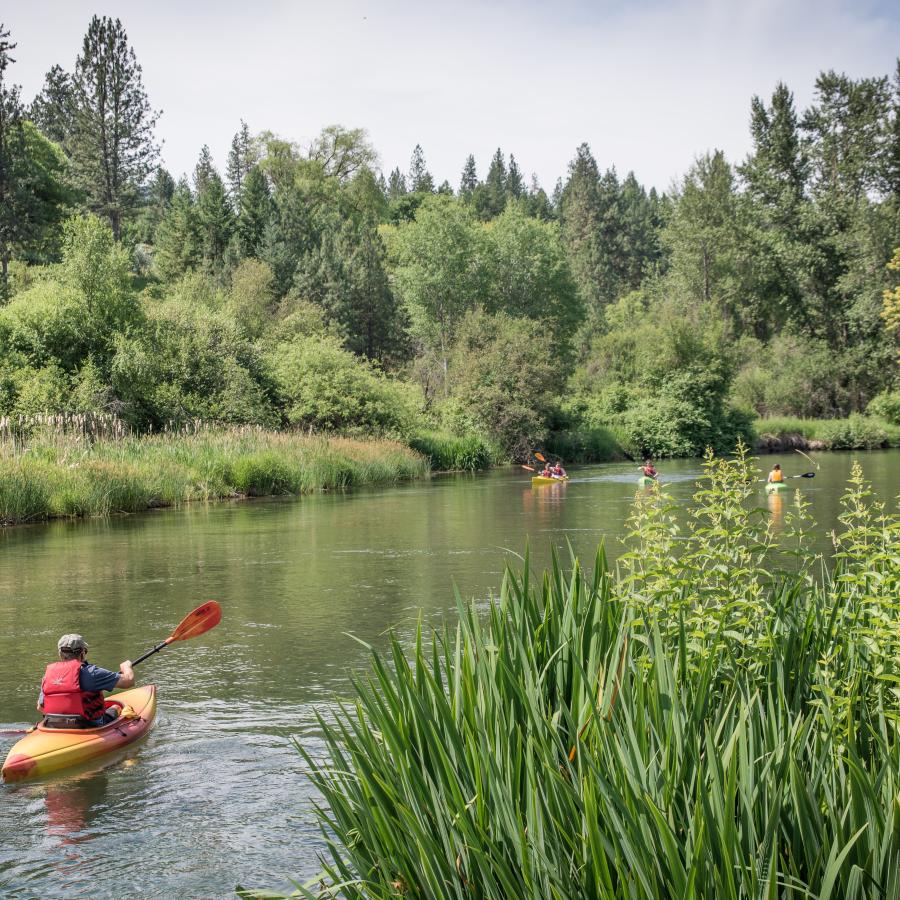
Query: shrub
325, 387
853, 433
885, 405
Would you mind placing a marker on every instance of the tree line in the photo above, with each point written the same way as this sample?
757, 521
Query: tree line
302, 286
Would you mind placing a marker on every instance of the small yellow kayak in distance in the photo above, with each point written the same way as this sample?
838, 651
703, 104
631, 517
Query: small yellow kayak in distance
541, 479
45, 750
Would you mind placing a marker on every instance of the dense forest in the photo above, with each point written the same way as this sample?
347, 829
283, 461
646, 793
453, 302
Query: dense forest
304, 287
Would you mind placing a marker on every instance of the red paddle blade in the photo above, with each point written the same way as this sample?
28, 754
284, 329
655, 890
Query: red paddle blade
197, 622
540, 456
530, 468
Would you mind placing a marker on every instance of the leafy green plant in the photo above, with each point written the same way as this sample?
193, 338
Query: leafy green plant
697, 724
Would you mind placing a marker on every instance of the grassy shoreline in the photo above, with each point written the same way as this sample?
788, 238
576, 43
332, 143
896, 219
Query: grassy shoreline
68, 476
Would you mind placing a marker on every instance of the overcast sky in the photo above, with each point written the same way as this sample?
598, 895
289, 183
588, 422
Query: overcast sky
649, 84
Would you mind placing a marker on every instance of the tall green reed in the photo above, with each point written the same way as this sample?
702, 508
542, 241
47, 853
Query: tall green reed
693, 725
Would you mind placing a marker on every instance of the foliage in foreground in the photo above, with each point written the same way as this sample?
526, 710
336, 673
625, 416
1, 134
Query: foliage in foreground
691, 726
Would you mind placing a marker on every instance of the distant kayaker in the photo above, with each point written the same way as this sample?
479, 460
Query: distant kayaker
557, 471
72, 689
776, 476
647, 469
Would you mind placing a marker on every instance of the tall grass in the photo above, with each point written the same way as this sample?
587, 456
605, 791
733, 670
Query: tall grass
689, 726
452, 453
68, 473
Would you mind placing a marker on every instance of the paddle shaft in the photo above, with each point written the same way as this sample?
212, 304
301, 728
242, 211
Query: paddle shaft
149, 653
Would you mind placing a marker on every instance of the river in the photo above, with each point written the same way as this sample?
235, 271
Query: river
216, 795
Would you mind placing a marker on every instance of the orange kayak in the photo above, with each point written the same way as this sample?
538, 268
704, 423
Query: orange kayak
45, 750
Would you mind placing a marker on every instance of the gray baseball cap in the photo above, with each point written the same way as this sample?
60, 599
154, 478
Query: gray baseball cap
71, 642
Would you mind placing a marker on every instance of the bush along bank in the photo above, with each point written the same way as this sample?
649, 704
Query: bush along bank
67, 474
698, 723
856, 432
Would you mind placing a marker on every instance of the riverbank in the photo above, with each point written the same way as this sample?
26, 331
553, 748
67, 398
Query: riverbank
66, 475
771, 435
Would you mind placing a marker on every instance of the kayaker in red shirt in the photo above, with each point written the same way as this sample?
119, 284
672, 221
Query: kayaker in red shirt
557, 471
72, 689
546, 472
648, 470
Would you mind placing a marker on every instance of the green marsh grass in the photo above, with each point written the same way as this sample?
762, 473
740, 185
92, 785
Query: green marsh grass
452, 453
695, 724
64, 473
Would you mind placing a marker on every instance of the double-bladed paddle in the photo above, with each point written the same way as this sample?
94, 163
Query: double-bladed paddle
195, 623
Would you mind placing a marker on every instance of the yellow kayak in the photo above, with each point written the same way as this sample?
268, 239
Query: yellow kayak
541, 479
45, 750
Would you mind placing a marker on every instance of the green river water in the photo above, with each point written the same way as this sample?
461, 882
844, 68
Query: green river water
216, 795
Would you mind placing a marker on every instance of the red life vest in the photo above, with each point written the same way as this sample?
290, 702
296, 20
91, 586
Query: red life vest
63, 695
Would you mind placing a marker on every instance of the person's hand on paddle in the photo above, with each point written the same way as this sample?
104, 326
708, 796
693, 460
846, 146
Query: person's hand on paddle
126, 675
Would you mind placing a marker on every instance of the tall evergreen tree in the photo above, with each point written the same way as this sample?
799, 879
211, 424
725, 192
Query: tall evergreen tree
255, 213
215, 220
494, 197
420, 180
11, 151
396, 186
203, 170
177, 241
579, 209
54, 108
468, 180
33, 197
515, 184
537, 202
241, 159
111, 144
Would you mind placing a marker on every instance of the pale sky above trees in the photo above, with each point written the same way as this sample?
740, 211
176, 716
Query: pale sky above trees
650, 85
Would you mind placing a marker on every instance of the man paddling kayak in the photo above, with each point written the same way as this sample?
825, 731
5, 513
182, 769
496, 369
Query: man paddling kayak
557, 471
72, 689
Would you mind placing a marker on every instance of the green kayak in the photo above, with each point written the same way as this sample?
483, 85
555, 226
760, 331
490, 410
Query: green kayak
645, 480
776, 487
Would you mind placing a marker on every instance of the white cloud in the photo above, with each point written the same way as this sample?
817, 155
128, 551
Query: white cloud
649, 85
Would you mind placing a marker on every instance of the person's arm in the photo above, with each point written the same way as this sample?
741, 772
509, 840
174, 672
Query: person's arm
126, 675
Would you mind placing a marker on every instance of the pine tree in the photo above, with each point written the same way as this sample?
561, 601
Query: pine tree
396, 186
54, 108
215, 219
111, 143
177, 239
515, 184
468, 180
494, 201
11, 148
203, 170
255, 213
241, 159
537, 201
420, 180
579, 210
33, 197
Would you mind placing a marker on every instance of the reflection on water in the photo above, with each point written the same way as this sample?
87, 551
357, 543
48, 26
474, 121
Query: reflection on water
775, 502
216, 794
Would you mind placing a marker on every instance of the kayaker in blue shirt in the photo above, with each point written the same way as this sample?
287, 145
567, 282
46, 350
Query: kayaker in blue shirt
72, 689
